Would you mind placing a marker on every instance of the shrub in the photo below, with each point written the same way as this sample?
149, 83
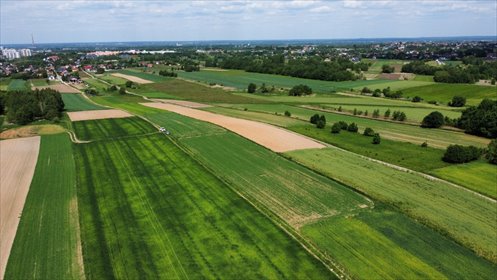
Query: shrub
314, 119
300, 90
366, 113
385, 68
352, 127
424, 144
251, 88
129, 84
343, 125
288, 114
387, 114
399, 116
366, 90
376, 113
335, 128
320, 124
355, 111
492, 152
433, 120
339, 108
457, 101
122, 91
369, 131
416, 99
461, 154
376, 139
100, 70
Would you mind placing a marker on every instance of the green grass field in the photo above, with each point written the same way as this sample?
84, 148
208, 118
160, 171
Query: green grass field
140, 74
375, 68
395, 85
479, 176
112, 79
149, 211
39, 82
47, 239
112, 128
466, 217
437, 138
424, 78
240, 79
76, 102
382, 244
444, 92
180, 89
17, 84
100, 86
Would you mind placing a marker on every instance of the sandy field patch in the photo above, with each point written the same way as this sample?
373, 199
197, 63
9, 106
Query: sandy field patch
17, 166
183, 103
31, 130
269, 136
59, 87
97, 115
132, 78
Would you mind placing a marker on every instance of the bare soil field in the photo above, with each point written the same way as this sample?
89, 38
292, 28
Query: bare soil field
183, 103
31, 130
59, 87
269, 136
97, 115
18, 159
132, 78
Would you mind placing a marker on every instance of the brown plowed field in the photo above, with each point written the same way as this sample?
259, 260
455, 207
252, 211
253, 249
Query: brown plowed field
17, 166
97, 115
269, 136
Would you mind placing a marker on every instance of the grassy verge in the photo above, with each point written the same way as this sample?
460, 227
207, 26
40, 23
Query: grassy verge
47, 239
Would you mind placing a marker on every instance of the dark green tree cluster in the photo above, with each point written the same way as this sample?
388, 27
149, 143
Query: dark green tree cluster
433, 120
319, 121
167, 73
385, 68
399, 116
369, 131
310, 68
388, 93
480, 120
461, 154
26, 106
300, 90
457, 101
416, 99
419, 67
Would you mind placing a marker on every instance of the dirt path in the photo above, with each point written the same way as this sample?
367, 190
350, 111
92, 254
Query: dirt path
132, 78
269, 136
97, 115
18, 159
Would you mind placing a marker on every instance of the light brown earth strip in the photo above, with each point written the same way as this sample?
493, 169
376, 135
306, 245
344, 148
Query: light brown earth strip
98, 115
272, 137
18, 159
184, 103
132, 78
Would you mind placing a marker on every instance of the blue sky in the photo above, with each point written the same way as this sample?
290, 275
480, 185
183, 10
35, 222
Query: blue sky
91, 21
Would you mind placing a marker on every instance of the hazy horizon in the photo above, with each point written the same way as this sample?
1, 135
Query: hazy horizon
160, 21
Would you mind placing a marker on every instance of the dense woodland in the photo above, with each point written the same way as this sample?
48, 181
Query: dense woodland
337, 69
23, 107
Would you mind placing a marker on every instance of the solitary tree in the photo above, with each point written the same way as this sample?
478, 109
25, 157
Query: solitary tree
122, 91
251, 88
369, 131
129, 84
352, 127
433, 120
288, 114
387, 114
376, 139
